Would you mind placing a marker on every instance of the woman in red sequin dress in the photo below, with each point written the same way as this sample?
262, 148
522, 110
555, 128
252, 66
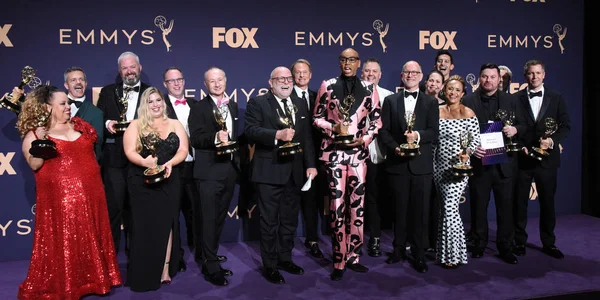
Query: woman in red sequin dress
73, 253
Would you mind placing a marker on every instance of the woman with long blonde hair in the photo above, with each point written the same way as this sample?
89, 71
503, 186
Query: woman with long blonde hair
154, 142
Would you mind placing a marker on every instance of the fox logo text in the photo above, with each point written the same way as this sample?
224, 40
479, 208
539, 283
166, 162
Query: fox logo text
437, 39
235, 37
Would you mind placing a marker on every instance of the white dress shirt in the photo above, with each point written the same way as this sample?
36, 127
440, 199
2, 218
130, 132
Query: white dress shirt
374, 151
132, 101
536, 102
183, 112
299, 92
74, 108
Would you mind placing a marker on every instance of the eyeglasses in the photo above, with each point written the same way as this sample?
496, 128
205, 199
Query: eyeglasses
283, 79
414, 73
351, 60
172, 81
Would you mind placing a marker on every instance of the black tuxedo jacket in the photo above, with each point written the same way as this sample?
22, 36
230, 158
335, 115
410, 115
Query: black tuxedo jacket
508, 103
93, 115
554, 106
394, 125
261, 125
316, 133
108, 103
203, 130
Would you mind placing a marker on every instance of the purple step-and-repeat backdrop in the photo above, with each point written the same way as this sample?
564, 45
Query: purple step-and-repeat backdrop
248, 40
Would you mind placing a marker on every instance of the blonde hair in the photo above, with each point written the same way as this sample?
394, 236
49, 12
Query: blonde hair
34, 108
145, 120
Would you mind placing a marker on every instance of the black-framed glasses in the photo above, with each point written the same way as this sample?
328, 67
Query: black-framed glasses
283, 79
351, 60
172, 81
414, 73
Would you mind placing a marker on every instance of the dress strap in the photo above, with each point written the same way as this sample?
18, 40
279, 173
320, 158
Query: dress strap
34, 134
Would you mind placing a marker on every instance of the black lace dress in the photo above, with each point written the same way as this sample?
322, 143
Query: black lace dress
154, 213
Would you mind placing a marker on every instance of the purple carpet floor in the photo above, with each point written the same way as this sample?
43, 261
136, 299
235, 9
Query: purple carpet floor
536, 275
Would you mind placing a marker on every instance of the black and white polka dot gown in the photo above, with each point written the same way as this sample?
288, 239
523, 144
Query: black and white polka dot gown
451, 245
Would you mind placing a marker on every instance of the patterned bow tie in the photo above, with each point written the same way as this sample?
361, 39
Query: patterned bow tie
77, 103
407, 93
535, 94
180, 101
222, 102
127, 88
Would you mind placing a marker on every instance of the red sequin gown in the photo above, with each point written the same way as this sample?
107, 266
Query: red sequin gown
73, 253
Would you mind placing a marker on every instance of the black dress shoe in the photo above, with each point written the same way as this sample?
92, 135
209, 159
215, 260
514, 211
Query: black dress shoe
374, 249
357, 267
337, 274
420, 266
396, 257
314, 249
222, 258
477, 253
290, 267
430, 254
509, 258
217, 279
520, 250
553, 251
273, 276
182, 266
225, 272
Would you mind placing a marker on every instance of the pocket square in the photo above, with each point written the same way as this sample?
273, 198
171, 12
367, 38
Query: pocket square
235, 119
302, 117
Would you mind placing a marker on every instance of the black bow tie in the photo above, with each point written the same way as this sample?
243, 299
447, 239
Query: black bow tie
407, 93
535, 94
131, 88
77, 103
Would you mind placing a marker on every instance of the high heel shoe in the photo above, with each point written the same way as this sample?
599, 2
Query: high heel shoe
165, 282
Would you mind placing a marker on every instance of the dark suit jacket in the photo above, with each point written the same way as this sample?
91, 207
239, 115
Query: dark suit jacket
261, 125
203, 129
393, 128
316, 133
93, 115
553, 105
508, 103
108, 103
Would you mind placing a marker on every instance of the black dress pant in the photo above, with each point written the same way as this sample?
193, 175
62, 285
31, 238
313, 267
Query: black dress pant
279, 206
312, 203
189, 193
545, 182
480, 187
117, 200
215, 198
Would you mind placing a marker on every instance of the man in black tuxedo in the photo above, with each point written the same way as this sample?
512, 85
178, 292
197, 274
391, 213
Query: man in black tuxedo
75, 83
216, 173
114, 162
499, 178
537, 103
410, 178
178, 107
278, 178
312, 199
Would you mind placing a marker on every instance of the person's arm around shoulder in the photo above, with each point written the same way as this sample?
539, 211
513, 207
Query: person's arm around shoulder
130, 138
35, 163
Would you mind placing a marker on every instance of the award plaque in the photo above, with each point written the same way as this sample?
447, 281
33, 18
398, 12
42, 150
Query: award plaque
508, 119
289, 148
410, 149
157, 173
541, 153
8, 101
462, 169
226, 147
43, 147
344, 137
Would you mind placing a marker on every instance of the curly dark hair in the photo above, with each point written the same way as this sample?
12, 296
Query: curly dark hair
33, 111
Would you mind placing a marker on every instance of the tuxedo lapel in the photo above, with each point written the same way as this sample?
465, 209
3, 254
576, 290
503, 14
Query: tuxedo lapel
360, 93
276, 111
544, 108
401, 111
234, 115
82, 109
525, 101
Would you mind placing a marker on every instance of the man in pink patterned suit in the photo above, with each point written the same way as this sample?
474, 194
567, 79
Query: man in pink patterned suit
346, 163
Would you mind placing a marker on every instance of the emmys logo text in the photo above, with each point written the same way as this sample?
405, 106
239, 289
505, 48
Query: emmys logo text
344, 38
4, 40
235, 214
160, 22
22, 227
529, 41
93, 37
235, 95
235, 37
437, 39
5, 165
